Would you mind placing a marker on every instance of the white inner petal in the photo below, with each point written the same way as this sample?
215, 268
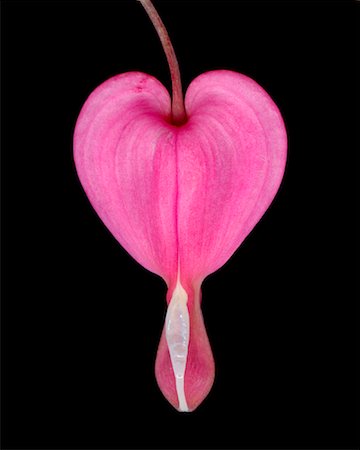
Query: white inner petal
177, 336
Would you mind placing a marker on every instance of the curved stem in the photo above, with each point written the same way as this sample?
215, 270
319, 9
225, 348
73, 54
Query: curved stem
177, 107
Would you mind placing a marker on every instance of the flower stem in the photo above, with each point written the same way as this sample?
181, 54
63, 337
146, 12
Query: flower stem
177, 108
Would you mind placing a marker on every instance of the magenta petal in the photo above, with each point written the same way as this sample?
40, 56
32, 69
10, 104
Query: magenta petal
231, 159
123, 147
181, 200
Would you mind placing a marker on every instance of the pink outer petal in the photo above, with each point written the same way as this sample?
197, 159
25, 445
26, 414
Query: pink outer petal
187, 195
123, 146
231, 159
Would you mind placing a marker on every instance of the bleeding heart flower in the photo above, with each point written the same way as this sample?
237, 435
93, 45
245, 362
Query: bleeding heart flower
180, 186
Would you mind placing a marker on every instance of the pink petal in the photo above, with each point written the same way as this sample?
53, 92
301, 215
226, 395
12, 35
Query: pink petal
232, 153
122, 148
181, 200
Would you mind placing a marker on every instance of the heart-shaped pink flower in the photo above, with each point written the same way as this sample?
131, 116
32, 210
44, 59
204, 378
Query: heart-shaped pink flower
181, 198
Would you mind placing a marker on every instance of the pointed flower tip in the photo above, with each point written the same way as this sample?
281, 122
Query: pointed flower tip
184, 365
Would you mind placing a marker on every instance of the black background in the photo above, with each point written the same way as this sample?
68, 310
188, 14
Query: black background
81, 320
